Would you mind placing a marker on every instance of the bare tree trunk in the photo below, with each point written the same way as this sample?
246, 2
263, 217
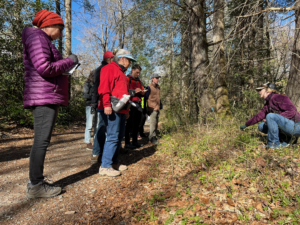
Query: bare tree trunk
219, 63
68, 8
185, 79
260, 44
68, 51
292, 88
60, 47
121, 29
199, 54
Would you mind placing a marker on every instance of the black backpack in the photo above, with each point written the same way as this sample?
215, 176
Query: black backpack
87, 92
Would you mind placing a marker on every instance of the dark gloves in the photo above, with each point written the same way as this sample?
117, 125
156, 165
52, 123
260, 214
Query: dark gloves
74, 58
242, 127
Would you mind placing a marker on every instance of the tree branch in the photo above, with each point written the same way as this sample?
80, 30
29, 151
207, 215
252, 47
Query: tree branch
269, 10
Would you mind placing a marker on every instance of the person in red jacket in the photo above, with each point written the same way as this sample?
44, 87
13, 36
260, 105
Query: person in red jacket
113, 82
134, 83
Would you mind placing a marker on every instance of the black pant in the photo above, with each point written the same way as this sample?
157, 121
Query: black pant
132, 125
44, 118
142, 123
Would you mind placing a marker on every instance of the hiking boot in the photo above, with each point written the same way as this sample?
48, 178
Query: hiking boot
42, 190
154, 141
137, 145
89, 147
94, 159
110, 172
130, 146
119, 167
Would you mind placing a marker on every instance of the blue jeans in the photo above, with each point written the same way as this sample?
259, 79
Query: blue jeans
89, 124
115, 130
100, 136
276, 124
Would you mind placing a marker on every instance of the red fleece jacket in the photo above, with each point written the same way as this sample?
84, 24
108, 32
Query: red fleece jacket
113, 82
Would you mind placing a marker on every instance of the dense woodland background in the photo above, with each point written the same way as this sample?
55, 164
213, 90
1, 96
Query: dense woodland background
211, 53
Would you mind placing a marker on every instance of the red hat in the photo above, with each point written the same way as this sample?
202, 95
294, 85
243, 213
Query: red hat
108, 54
46, 18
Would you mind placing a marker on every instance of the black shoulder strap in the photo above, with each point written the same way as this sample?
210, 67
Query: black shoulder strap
129, 83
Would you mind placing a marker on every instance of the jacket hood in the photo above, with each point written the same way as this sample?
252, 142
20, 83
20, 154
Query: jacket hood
28, 31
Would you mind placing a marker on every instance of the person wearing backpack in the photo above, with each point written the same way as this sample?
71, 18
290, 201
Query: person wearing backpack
135, 114
113, 83
88, 90
99, 126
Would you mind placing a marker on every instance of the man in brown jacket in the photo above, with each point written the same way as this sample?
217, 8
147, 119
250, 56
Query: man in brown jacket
153, 106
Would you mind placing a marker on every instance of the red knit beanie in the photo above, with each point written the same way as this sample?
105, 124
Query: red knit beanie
46, 18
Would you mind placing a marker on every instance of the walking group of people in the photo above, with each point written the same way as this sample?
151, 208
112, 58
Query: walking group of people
110, 126
46, 88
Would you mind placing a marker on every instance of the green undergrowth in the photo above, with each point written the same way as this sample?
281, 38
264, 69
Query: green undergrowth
226, 160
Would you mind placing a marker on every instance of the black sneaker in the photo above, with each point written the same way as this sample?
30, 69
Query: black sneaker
154, 141
137, 145
42, 190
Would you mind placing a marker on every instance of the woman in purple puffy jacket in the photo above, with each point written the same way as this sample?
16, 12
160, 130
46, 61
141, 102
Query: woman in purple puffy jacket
45, 90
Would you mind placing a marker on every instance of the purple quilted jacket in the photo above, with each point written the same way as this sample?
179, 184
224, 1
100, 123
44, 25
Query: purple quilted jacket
44, 82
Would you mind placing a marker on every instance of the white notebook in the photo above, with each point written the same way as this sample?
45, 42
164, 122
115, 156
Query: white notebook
71, 71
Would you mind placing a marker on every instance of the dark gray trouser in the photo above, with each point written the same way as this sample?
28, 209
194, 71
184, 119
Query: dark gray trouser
132, 125
154, 115
44, 118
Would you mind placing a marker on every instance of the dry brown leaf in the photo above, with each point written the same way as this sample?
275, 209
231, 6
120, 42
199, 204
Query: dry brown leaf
259, 207
204, 200
260, 162
228, 208
230, 202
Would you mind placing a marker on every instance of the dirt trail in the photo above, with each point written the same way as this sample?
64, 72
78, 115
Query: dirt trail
156, 189
87, 197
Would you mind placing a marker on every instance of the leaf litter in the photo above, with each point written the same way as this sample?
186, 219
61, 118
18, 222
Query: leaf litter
160, 187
